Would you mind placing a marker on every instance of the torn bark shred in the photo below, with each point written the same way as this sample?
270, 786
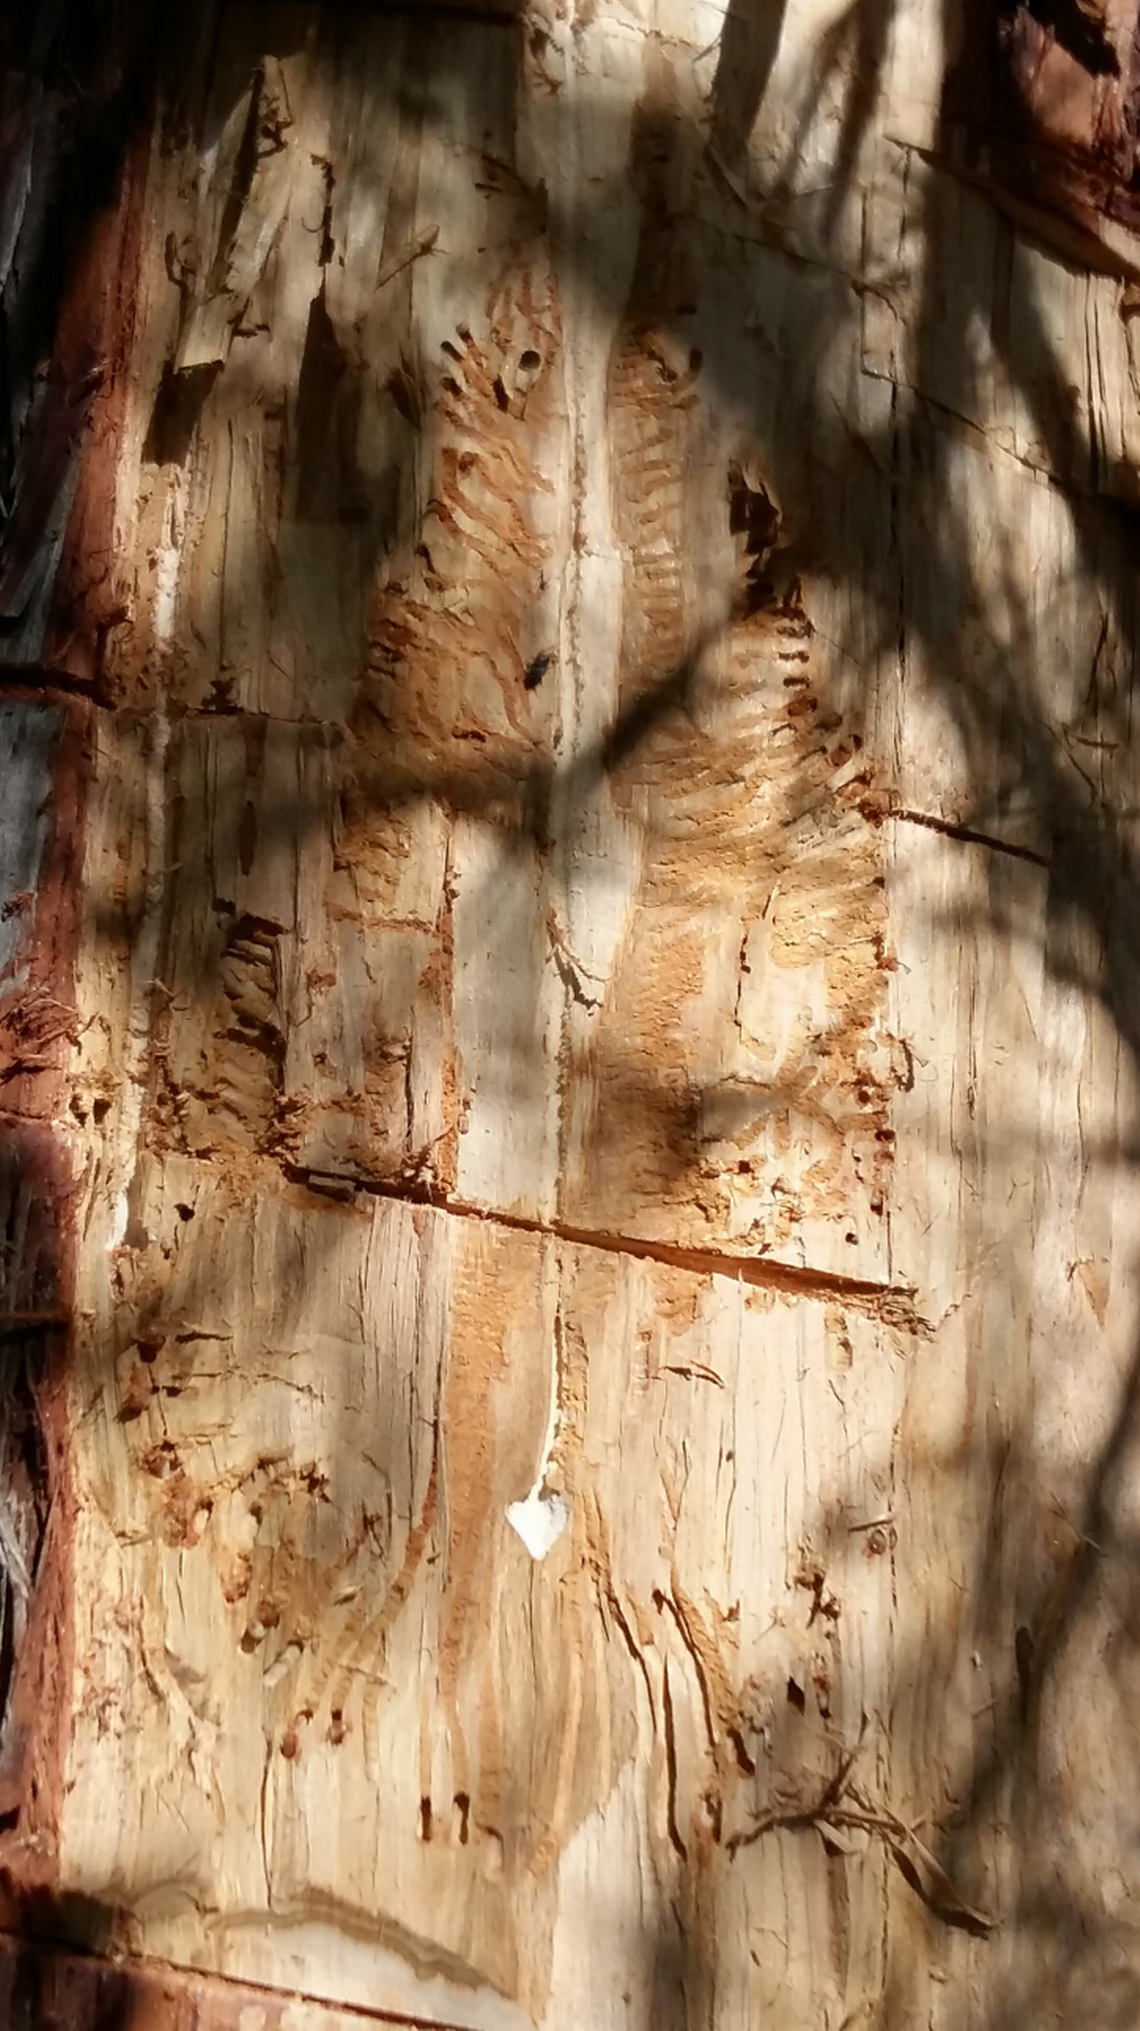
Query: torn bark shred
1043, 108
73, 90
73, 96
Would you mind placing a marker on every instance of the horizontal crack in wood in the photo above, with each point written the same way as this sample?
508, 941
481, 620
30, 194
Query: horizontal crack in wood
26, 680
166, 1995
950, 830
891, 1303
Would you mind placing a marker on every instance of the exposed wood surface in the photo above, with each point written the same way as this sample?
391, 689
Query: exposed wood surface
586, 1080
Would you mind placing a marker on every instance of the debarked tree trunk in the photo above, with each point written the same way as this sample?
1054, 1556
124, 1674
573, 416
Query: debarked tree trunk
569, 1009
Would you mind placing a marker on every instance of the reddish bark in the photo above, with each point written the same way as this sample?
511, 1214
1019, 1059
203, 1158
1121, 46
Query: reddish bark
1042, 106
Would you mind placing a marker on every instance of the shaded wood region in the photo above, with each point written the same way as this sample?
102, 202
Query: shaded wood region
568, 1019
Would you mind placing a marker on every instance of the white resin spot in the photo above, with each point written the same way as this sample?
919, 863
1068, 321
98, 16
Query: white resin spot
539, 1521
